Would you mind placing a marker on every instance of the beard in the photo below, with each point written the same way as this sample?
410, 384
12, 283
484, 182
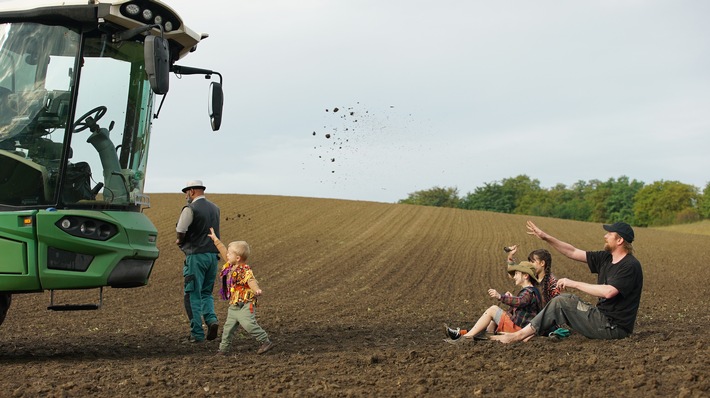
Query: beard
607, 247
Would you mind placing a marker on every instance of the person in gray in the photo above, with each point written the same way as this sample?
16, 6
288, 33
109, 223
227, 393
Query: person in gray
201, 256
618, 289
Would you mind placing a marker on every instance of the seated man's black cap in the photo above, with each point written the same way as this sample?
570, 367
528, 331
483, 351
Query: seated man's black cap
623, 229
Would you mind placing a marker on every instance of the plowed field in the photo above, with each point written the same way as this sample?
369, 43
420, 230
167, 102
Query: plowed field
355, 295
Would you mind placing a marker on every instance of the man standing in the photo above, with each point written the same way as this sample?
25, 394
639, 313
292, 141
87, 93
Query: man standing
201, 255
619, 285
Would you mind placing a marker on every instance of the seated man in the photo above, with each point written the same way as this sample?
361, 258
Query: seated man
619, 286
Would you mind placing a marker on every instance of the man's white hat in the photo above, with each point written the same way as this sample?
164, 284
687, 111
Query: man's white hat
194, 184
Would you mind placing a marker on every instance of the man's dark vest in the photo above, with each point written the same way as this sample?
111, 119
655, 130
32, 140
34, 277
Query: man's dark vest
205, 214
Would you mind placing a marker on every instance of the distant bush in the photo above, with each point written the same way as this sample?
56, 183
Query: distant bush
621, 199
439, 197
687, 216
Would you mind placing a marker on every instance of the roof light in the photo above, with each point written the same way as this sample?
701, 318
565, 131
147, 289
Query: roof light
133, 9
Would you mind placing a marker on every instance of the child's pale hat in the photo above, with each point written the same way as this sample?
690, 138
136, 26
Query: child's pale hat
525, 267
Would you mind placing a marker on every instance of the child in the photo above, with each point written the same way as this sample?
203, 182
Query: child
241, 289
542, 260
523, 307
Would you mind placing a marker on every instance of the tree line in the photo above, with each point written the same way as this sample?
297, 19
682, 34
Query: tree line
656, 204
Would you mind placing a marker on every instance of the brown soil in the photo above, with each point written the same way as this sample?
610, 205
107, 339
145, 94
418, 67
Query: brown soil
355, 297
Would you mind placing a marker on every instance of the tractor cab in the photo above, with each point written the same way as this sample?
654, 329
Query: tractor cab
78, 84
76, 106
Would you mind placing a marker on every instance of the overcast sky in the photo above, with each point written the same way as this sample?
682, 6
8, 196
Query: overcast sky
437, 93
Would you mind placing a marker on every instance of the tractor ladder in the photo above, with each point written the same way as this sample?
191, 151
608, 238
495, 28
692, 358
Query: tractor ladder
75, 307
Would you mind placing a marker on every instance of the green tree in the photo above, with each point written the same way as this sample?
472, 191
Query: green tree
503, 197
662, 202
558, 202
437, 196
599, 192
581, 205
704, 202
572, 203
613, 200
521, 187
536, 203
490, 197
620, 204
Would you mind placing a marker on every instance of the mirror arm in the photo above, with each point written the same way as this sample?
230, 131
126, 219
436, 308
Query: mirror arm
217, 96
189, 70
127, 34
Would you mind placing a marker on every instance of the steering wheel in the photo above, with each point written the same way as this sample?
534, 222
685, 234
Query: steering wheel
81, 123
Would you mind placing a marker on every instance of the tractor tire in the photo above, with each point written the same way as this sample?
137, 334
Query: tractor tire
5, 301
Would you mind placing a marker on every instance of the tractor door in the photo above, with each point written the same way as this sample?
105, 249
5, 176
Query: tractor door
18, 262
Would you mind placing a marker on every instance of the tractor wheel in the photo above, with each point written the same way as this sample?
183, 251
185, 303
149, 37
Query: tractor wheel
5, 301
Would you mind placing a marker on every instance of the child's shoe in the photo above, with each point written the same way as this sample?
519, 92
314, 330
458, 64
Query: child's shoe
266, 346
453, 334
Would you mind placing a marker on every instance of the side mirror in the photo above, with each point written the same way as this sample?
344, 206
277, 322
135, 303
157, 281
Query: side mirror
214, 107
157, 65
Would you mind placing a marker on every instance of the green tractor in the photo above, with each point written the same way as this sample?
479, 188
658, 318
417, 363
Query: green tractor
71, 186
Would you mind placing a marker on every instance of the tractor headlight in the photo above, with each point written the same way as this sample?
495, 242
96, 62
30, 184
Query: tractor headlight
85, 227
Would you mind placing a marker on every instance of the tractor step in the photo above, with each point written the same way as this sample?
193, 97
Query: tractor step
75, 307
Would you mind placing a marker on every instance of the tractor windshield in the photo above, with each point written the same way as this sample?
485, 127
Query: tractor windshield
74, 118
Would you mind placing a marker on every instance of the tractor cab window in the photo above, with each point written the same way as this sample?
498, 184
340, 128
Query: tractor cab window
74, 118
34, 111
